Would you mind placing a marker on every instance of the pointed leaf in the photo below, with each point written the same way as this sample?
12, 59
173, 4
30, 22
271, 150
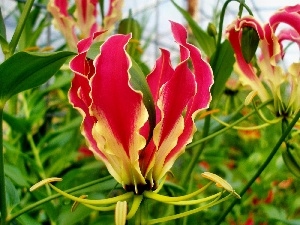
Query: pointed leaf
12, 196
16, 176
17, 124
222, 69
2, 26
138, 82
25, 70
205, 41
94, 50
3, 41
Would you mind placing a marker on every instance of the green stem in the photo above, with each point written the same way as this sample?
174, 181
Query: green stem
263, 166
36, 204
2, 174
222, 15
242, 3
20, 26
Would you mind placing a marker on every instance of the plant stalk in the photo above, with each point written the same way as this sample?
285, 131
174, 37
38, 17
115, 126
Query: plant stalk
2, 174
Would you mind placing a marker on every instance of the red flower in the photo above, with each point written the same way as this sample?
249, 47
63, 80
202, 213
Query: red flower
116, 122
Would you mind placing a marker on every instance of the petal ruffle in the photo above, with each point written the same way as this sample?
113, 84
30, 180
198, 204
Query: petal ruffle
79, 92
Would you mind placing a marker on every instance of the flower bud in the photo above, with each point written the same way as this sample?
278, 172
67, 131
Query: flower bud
211, 30
249, 44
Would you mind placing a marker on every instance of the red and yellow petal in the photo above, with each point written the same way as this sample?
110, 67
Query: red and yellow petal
79, 92
176, 128
119, 111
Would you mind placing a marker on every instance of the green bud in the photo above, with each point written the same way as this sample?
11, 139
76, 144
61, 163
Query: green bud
250, 40
211, 30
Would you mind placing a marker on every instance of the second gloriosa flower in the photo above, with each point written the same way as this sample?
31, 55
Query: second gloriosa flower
267, 76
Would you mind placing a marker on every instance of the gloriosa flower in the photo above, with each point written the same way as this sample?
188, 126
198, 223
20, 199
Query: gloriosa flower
139, 148
83, 23
268, 78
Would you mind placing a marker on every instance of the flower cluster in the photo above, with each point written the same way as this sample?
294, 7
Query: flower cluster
266, 76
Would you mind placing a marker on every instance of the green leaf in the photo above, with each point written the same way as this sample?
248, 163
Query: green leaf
12, 196
138, 82
2, 26
222, 66
94, 50
17, 124
206, 42
25, 70
27, 219
3, 41
16, 175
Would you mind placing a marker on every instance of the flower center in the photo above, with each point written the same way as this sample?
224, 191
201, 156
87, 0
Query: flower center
140, 188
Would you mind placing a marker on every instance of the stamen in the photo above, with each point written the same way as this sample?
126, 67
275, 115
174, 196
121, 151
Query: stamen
196, 201
262, 117
250, 97
112, 200
120, 213
101, 208
190, 212
75, 204
43, 182
165, 199
220, 182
